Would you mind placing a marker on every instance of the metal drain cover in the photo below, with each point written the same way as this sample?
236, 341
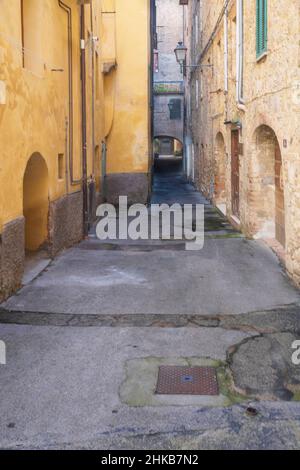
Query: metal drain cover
178, 380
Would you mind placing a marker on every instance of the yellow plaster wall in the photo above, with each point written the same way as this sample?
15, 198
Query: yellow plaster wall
128, 89
33, 117
35, 108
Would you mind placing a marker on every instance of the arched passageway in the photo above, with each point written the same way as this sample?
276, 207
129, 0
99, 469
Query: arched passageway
35, 202
168, 154
267, 186
220, 167
168, 146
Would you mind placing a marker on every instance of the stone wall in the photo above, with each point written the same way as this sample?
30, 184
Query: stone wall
133, 185
65, 222
271, 102
65, 228
12, 256
169, 33
163, 125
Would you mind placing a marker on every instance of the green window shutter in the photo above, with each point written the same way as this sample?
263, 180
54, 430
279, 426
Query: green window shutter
261, 26
258, 29
265, 24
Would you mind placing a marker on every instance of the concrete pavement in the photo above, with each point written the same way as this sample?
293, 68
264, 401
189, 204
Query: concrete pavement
230, 275
85, 339
61, 389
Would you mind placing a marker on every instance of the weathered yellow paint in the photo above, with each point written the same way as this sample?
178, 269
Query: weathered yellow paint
33, 53
41, 138
108, 35
34, 118
128, 89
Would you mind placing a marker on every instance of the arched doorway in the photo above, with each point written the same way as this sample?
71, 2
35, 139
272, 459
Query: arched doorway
220, 168
168, 154
266, 186
168, 146
35, 203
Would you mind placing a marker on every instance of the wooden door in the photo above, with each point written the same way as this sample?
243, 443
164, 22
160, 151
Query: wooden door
279, 198
235, 173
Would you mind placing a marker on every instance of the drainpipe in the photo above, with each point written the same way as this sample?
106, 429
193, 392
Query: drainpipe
83, 121
153, 45
69, 121
103, 170
93, 85
240, 53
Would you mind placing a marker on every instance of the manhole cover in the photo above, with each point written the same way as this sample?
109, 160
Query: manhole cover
178, 380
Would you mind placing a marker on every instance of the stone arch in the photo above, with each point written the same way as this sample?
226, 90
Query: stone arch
36, 202
220, 169
266, 188
177, 142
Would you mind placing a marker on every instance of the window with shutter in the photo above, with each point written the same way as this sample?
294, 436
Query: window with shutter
261, 27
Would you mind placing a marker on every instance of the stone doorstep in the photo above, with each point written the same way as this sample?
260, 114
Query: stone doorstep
235, 221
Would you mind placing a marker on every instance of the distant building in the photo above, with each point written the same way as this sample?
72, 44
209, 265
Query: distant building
168, 79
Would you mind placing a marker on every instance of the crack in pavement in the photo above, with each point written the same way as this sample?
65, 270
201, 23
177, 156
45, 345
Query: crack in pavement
282, 319
260, 365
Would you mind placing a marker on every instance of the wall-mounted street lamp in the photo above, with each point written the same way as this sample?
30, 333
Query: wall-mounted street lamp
181, 53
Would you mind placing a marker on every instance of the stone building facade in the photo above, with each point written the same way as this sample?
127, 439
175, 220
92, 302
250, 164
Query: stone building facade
168, 79
74, 120
243, 108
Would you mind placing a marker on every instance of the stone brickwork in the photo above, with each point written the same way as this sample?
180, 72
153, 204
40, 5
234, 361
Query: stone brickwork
267, 118
169, 33
12, 256
65, 228
163, 125
65, 222
133, 185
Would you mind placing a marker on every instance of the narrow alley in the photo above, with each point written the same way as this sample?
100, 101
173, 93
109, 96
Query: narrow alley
149, 225
230, 275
